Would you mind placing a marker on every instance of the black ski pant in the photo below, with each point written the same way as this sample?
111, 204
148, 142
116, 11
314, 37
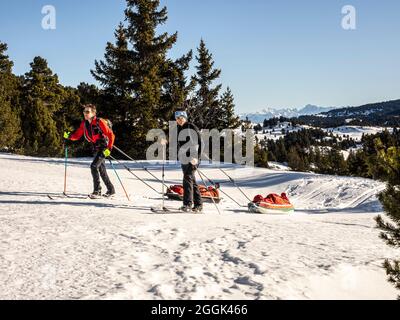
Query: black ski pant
98, 168
191, 191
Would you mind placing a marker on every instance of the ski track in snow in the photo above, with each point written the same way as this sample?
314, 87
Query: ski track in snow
115, 249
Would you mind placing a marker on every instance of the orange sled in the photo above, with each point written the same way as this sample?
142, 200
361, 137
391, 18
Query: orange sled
272, 204
207, 194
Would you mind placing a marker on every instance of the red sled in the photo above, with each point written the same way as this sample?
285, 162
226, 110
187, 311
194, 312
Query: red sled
272, 204
208, 194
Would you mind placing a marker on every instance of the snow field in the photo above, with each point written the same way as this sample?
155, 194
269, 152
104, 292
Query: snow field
115, 249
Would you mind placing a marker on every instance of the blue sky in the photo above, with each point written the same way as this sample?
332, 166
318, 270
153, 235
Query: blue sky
272, 53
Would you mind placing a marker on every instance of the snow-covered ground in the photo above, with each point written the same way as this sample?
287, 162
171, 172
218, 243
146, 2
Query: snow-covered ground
275, 133
115, 249
356, 132
278, 166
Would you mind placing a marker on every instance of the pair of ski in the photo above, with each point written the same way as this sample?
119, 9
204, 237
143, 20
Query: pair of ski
160, 210
80, 197
66, 196
169, 210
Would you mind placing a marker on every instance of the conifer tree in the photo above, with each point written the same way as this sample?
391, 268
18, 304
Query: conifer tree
9, 123
271, 155
150, 56
295, 161
357, 164
176, 88
281, 152
337, 161
390, 199
260, 156
89, 93
42, 97
70, 116
229, 118
115, 74
141, 84
9, 114
311, 156
205, 110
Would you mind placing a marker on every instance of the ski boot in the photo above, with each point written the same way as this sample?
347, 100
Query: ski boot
109, 193
197, 209
95, 195
185, 208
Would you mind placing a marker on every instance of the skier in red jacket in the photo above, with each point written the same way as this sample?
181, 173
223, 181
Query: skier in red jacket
99, 134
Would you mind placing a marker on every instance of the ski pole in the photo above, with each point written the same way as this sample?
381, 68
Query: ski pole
163, 177
65, 169
132, 173
235, 184
233, 181
212, 198
220, 189
143, 167
120, 181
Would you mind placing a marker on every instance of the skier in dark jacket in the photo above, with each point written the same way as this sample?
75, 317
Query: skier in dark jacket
99, 134
191, 193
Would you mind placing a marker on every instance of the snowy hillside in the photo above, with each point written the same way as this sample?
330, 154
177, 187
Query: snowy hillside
356, 132
390, 108
278, 131
115, 249
385, 114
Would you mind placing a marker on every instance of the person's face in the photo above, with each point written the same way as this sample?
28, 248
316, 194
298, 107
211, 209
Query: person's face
181, 121
88, 113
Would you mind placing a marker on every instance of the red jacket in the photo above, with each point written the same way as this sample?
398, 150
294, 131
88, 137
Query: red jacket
92, 133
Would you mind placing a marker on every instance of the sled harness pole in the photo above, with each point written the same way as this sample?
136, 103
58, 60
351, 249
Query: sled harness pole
235, 184
120, 181
65, 169
143, 167
212, 198
214, 184
132, 173
231, 180
163, 177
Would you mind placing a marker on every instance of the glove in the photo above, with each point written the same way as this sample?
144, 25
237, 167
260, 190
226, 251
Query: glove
107, 153
194, 162
67, 134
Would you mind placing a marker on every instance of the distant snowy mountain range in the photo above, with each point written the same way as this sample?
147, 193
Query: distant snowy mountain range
382, 114
269, 113
386, 113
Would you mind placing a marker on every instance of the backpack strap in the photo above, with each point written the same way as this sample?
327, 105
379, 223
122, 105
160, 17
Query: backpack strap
103, 136
99, 127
